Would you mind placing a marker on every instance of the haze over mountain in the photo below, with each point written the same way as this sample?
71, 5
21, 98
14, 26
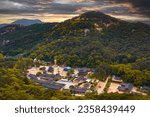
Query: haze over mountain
24, 22
3, 25
27, 22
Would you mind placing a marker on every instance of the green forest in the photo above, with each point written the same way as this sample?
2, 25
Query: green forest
94, 40
15, 86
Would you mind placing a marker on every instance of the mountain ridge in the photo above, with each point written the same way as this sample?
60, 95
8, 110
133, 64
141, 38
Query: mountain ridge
90, 34
93, 20
23, 22
27, 22
80, 38
119, 47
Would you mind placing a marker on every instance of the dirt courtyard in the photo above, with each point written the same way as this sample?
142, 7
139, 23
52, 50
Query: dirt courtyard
114, 88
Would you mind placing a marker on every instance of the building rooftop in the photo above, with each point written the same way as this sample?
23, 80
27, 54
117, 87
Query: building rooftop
126, 87
84, 69
50, 69
67, 69
46, 75
56, 86
81, 79
116, 77
66, 82
82, 73
57, 75
42, 82
86, 85
32, 77
79, 90
146, 87
42, 68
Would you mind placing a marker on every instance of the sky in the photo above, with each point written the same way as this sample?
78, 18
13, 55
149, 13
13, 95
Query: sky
60, 10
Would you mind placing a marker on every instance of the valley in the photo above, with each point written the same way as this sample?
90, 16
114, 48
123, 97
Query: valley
98, 57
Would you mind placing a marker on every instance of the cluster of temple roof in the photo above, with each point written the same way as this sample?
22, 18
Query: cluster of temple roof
79, 82
56, 78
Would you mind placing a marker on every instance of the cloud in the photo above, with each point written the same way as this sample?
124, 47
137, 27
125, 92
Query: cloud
11, 5
64, 9
43, 6
141, 6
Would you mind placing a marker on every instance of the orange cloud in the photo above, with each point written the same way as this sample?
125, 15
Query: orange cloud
43, 17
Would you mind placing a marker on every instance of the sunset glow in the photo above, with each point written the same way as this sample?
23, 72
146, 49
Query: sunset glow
60, 10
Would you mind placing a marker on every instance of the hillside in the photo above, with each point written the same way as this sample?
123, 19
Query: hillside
90, 21
98, 41
94, 37
107, 45
86, 40
17, 39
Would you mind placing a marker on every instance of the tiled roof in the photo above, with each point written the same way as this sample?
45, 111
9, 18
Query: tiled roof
56, 86
80, 90
126, 87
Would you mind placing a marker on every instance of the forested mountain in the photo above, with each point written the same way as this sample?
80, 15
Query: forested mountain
99, 41
95, 40
94, 37
17, 39
90, 21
